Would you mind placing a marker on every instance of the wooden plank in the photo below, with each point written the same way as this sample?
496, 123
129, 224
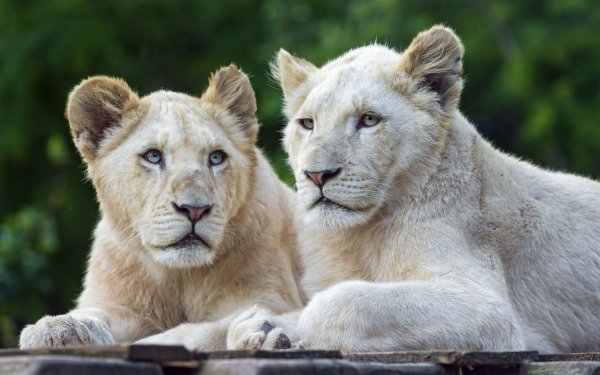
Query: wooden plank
271, 354
566, 357
181, 367
561, 368
254, 366
446, 358
69, 365
159, 353
111, 351
497, 358
155, 353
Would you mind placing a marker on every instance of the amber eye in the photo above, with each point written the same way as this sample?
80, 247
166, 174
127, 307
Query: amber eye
153, 156
368, 119
307, 123
216, 157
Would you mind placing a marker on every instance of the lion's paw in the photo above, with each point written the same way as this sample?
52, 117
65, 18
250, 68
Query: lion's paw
65, 331
254, 330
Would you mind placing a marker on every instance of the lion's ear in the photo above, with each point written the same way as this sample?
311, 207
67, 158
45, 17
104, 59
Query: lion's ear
231, 89
291, 71
434, 59
94, 107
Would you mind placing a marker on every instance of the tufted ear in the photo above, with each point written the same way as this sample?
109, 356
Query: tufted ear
94, 107
434, 59
230, 88
291, 71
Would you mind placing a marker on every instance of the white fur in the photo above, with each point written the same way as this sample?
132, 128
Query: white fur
140, 283
446, 242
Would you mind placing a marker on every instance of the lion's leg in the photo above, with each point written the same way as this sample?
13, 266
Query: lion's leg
86, 326
194, 336
254, 328
362, 316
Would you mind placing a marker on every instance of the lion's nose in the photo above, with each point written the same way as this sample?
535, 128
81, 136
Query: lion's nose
321, 177
193, 213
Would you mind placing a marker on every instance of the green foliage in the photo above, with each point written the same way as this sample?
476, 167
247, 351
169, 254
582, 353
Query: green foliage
531, 70
27, 240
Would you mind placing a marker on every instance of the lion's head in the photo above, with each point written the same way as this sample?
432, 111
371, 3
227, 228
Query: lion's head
367, 123
170, 170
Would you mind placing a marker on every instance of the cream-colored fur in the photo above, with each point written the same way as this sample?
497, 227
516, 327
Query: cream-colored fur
141, 279
430, 238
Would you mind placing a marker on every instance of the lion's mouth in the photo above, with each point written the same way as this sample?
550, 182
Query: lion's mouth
191, 240
326, 202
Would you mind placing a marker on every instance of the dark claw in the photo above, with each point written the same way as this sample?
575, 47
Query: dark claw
282, 342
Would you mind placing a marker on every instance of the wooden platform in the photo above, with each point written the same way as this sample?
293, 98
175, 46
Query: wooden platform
152, 359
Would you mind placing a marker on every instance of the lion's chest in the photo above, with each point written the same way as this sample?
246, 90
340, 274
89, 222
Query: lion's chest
369, 258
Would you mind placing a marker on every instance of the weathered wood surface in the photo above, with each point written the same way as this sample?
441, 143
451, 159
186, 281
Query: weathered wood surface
159, 353
279, 354
72, 365
156, 353
569, 357
446, 358
156, 359
112, 351
560, 368
313, 367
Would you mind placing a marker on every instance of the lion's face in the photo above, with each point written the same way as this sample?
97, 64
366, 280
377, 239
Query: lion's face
358, 128
175, 179
173, 173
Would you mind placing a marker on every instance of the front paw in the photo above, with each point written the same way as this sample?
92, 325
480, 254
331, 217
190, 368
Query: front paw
343, 317
254, 330
65, 331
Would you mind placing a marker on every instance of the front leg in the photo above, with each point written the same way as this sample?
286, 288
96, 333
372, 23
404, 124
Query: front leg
358, 316
252, 329
194, 336
88, 326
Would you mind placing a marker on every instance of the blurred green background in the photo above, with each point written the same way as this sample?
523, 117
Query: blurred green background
532, 72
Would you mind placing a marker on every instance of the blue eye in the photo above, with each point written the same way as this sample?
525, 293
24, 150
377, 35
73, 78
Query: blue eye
216, 157
153, 156
368, 119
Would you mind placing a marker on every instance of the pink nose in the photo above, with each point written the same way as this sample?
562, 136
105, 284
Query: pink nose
321, 177
193, 213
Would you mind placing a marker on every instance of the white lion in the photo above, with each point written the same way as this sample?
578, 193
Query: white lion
415, 232
195, 225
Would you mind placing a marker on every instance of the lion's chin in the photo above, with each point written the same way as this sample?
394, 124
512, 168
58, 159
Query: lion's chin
329, 215
190, 251
184, 257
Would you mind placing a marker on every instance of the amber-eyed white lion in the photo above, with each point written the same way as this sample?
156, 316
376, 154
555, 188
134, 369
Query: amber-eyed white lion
416, 233
195, 224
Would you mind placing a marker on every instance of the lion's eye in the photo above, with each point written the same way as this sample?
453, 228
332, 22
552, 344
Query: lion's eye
368, 119
153, 156
307, 123
217, 157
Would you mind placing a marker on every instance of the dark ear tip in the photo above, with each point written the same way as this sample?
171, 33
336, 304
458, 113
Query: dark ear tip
94, 105
101, 83
88, 86
231, 88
